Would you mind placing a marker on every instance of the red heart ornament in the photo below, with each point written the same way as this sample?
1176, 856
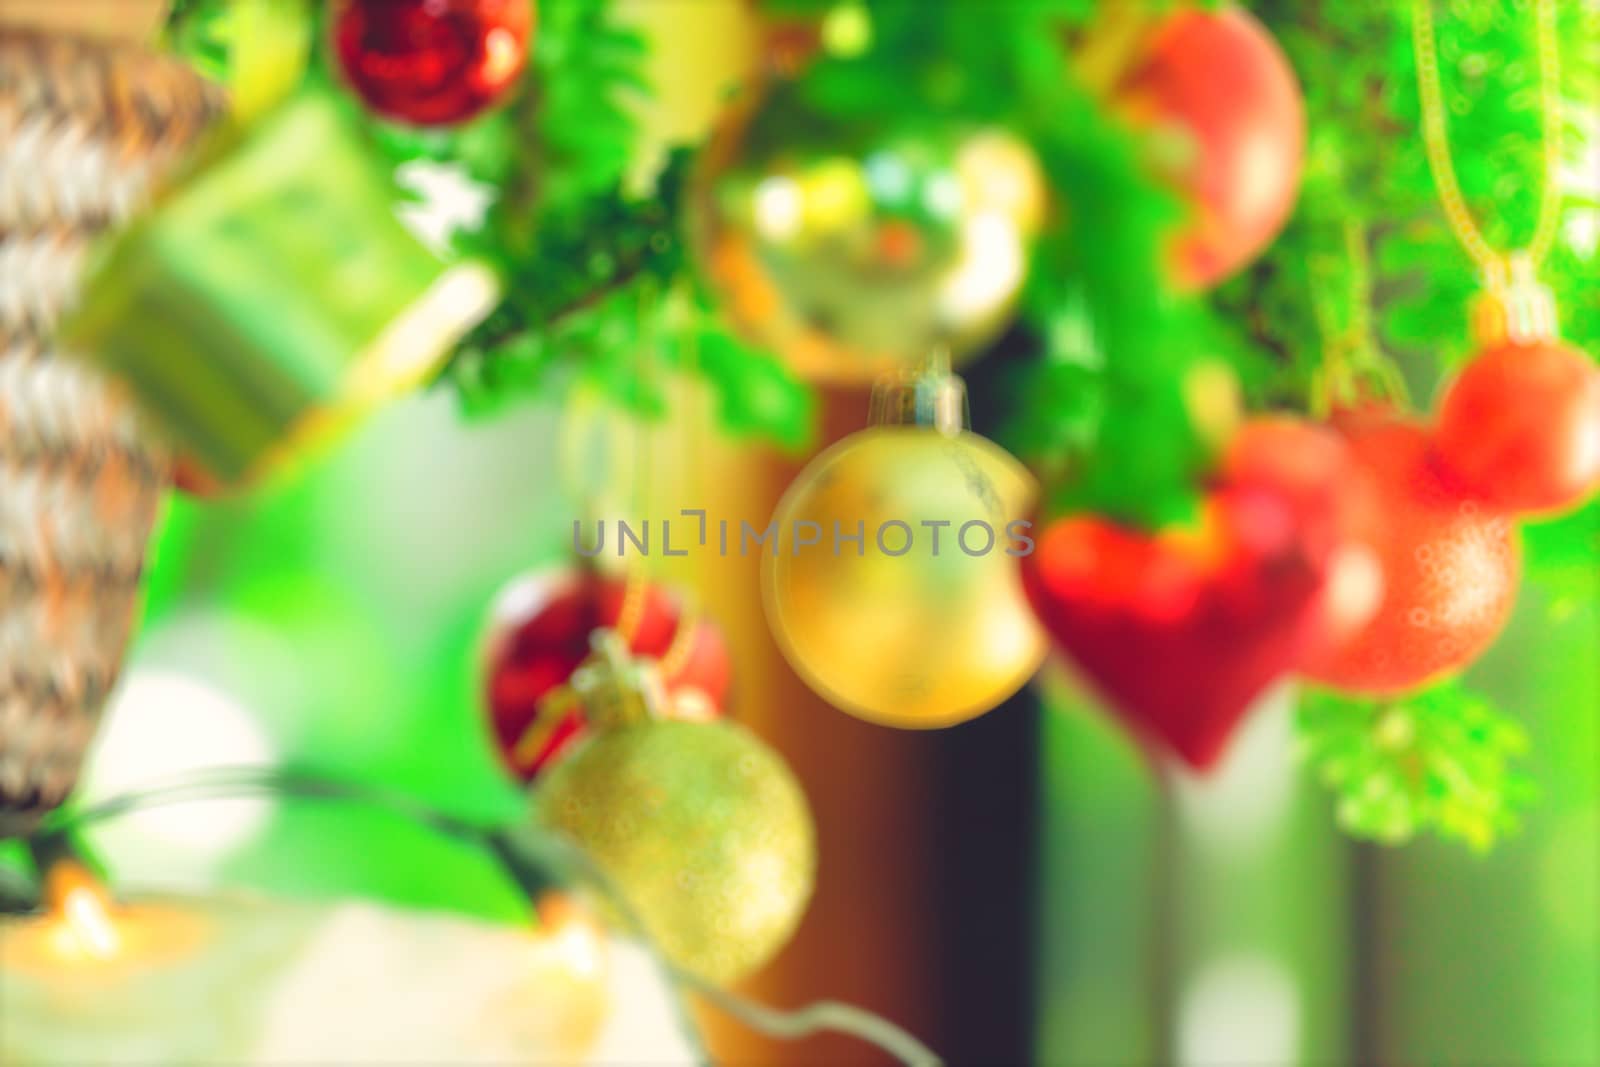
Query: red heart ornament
1182, 630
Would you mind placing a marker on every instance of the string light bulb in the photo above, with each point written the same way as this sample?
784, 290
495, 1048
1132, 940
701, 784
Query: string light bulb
569, 933
81, 914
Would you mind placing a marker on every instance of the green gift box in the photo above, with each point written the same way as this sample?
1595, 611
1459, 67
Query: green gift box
272, 295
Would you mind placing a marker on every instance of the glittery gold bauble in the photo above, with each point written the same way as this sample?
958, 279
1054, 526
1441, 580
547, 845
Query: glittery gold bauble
852, 255
923, 623
702, 827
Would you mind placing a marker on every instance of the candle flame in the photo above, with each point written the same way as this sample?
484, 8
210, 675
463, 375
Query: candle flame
82, 913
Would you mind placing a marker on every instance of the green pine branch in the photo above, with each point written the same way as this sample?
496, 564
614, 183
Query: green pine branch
1439, 760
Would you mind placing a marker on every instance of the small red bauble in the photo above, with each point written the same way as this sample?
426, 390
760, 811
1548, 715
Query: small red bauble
1220, 85
1520, 426
1183, 630
1450, 566
539, 636
432, 62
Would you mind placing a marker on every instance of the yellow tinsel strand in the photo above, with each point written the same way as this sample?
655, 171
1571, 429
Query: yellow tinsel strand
1436, 141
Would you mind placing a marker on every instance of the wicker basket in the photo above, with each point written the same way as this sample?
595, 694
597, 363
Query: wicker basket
85, 129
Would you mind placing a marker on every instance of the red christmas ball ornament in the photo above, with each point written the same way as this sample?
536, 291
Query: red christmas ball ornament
1334, 502
1221, 94
1184, 629
1450, 566
432, 62
1519, 426
539, 635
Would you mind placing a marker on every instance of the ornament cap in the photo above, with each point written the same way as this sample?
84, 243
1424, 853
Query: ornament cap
616, 688
1515, 307
929, 396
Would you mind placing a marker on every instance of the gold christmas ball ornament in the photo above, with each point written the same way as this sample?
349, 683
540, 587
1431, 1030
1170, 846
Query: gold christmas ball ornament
892, 583
704, 830
850, 253
700, 825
